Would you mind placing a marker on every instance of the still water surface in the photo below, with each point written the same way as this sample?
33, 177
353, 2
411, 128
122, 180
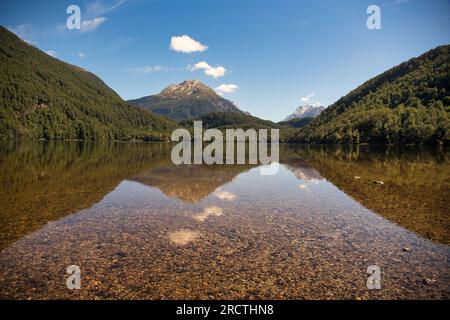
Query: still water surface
140, 227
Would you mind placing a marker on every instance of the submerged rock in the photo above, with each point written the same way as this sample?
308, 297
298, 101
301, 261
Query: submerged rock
429, 281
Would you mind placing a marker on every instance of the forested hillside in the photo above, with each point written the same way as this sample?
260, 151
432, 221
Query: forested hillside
409, 103
234, 120
296, 122
44, 98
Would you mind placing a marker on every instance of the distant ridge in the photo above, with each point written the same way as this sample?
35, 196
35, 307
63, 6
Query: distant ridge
308, 111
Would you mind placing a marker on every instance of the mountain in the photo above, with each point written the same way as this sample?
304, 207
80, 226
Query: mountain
409, 103
44, 98
187, 100
307, 111
190, 183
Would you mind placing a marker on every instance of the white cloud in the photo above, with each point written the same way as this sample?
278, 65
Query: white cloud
81, 55
94, 16
308, 97
147, 69
397, 2
91, 25
51, 53
98, 8
31, 42
215, 72
186, 44
226, 88
307, 100
225, 195
24, 32
150, 69
208, 212
201, 65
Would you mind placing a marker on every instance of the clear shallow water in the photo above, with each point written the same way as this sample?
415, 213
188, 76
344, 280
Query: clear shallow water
142, 228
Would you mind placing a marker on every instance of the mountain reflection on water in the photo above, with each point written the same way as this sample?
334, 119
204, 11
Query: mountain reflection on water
43, 181
222, 231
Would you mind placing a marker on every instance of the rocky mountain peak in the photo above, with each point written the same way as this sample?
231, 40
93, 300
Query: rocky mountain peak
187, 88
307, 111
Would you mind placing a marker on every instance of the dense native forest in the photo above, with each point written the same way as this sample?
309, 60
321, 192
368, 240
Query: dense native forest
235, 120
409, 103
44, 98
227, 120
296, 122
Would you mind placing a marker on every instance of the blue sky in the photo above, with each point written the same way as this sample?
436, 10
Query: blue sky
275, 54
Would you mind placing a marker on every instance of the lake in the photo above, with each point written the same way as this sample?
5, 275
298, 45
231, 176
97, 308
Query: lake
140, 227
